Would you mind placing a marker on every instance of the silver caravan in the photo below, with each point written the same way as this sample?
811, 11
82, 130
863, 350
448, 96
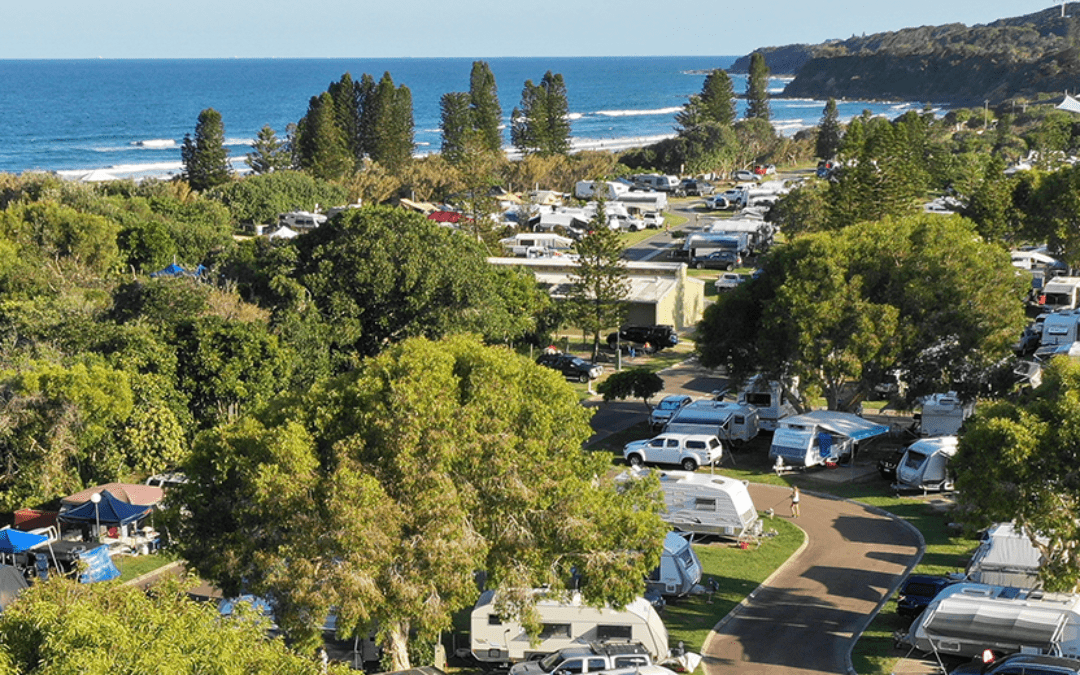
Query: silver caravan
1060, 293
965, 619
535, 244
925, 465
769, 399
645, 201
710, 504
498, 639
1005, 557
943, 414
820, 437
679, 571
726, 420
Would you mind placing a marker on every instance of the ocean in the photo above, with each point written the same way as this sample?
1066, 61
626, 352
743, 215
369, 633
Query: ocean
128, 118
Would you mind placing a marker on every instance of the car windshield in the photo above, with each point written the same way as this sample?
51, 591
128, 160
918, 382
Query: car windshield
670, 405
549, 662
581, 363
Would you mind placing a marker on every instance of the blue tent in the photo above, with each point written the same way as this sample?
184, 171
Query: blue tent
109, 511
172, 270
17, 541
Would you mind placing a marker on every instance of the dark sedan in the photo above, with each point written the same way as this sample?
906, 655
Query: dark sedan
717, 260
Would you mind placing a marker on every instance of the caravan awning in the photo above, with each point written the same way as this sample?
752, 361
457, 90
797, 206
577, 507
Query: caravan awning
840, 423
961, 619
17, 541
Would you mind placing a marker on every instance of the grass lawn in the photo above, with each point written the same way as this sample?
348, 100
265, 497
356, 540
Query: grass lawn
133, 567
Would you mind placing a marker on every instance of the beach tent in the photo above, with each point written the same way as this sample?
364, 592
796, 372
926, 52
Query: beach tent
11, 584
283, 232
109, 511
174, 270
17, 541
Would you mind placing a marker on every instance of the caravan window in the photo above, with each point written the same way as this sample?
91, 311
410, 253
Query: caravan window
554, 630
760, 400
739, 419
705, 504
614, 632
494, 620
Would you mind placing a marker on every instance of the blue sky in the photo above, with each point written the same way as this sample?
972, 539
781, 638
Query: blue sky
455, 28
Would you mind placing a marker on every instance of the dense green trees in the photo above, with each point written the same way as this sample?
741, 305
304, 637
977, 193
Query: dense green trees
259, 199
62, 626
1018, 462
757, 88
380, 493
205, 157
541, 124
841, 309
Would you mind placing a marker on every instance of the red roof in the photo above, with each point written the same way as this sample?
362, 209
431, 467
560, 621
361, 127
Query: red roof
446, 216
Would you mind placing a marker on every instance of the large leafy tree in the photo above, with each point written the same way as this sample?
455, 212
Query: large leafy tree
757, 88
920, 294
1018, 461
599, 285
830, 133
62, 626
205, 157
381, 493
541, 124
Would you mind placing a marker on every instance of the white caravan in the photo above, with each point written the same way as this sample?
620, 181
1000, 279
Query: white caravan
1006, 557
679, 571
769, 399
497, 639
1060, 293
943, 414
925, 465
710, 504
645, 201
535, 244
586, 189
820, 437
965, 619
727, 420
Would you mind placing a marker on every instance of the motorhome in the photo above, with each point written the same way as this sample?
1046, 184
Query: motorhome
727, 420
943, 414
708, 504
965, 619
1006, 557
499, 639
679, 571
925, 465
1060, 293
535, 244
820, 437
770, 400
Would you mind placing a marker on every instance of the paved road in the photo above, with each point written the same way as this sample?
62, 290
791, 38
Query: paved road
806, 617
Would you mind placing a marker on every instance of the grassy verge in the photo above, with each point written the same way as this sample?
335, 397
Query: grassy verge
133, 567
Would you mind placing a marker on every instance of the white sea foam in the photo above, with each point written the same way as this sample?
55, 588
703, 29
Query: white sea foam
155, 143
636, 113
238, 141
575, 116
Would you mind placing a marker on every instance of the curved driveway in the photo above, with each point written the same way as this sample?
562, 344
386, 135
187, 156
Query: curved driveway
805, 618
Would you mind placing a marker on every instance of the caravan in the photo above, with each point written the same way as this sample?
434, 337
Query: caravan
925, 465
820, 437
728, 421
679, 571
943, 414
966, 619
769, 399
708, 504
502, 640
1006, 557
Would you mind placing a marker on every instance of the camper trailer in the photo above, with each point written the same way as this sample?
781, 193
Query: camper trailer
1006, 557
587, 189
769, 399
500, 640
925, 465
943, 414
820, 437
728, 421
679, 571
966, 619
709, 504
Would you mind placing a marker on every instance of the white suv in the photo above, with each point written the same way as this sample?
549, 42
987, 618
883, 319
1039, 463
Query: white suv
687, 450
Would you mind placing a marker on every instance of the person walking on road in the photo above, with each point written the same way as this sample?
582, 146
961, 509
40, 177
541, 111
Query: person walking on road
795, 502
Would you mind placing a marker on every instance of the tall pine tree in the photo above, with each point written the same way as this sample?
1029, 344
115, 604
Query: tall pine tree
206, 160
456, 125
599, 284
718, 98
829, 132
322, 149
268, 154
484, 103
541, 125
757, 88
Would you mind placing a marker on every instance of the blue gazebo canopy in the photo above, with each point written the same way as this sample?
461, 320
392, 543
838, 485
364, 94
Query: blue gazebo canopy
17, 541
109, 511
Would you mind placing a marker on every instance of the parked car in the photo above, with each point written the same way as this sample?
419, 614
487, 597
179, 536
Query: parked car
594, 657
659, 337
717, 260
887, 466
653, 220
765, 169
743, 175
687, 450
718, 203
728, 281
571, 366
667, 407
696, 188
918, 591
1022, 664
